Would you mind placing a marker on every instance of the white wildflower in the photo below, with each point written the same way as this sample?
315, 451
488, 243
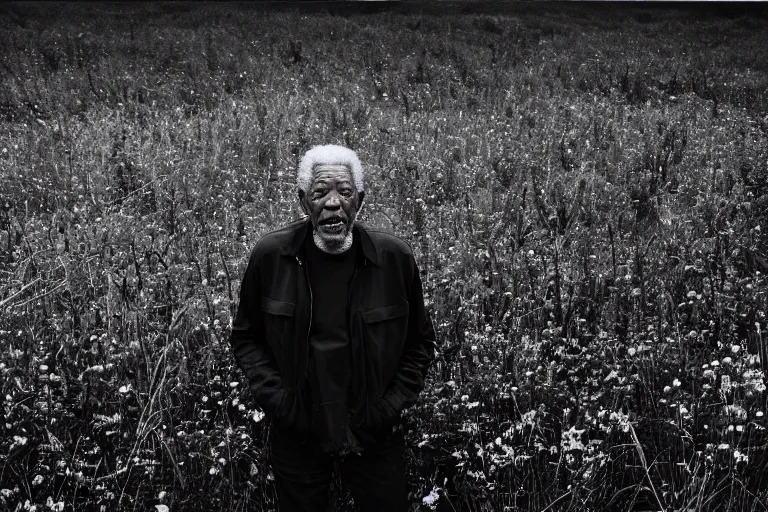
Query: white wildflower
431, 498
571, 439
55, 507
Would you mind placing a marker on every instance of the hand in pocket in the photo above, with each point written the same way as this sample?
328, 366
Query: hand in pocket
290, 415
386, 417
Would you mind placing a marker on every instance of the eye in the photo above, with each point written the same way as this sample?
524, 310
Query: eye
317, 194
346, 192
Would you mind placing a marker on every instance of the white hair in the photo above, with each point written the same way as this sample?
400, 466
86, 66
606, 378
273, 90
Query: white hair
329, 155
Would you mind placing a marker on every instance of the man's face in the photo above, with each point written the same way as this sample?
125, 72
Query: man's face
331, 203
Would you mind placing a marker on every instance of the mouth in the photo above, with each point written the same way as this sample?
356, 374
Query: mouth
332, 224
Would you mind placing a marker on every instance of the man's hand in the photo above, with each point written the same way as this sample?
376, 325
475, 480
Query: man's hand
352, 445
289, 416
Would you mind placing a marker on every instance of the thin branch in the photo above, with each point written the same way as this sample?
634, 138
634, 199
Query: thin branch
21, 290
61, 284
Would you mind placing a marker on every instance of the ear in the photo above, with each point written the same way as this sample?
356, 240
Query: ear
360, 197
303, 202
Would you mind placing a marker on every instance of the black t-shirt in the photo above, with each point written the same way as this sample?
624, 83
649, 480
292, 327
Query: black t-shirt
329, 348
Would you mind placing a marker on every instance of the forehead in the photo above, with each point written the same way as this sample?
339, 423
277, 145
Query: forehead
331, 172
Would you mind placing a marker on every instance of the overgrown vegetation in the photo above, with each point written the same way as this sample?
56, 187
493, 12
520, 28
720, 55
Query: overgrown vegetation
586, 193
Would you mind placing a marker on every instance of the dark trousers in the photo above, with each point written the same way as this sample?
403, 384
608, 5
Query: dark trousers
375, 478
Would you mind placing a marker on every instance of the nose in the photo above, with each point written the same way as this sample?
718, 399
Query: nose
333, 202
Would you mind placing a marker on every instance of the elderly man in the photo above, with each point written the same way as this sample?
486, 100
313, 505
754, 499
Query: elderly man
332, 334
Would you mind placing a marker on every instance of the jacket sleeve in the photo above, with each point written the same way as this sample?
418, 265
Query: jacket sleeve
252, 353
418, 353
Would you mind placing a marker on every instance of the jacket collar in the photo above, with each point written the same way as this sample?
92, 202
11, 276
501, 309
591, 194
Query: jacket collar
302, 229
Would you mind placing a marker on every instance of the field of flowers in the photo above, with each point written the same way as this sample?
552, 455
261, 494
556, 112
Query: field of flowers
586, 192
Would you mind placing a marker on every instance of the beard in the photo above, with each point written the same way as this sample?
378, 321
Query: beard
333, 243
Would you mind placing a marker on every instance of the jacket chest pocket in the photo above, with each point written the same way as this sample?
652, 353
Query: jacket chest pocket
278, 323
385, 330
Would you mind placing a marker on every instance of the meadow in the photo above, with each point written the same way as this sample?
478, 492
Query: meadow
585, 187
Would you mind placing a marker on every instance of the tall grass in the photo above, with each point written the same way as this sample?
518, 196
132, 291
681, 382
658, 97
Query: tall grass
586, 196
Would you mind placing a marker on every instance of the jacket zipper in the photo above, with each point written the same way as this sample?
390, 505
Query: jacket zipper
309, 330
309, 327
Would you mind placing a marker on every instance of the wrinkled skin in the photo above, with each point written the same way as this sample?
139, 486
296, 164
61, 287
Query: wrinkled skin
332, 203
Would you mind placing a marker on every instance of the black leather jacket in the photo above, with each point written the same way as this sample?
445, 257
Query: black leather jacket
392, 340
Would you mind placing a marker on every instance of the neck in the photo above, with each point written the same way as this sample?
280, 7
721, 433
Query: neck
345, 245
